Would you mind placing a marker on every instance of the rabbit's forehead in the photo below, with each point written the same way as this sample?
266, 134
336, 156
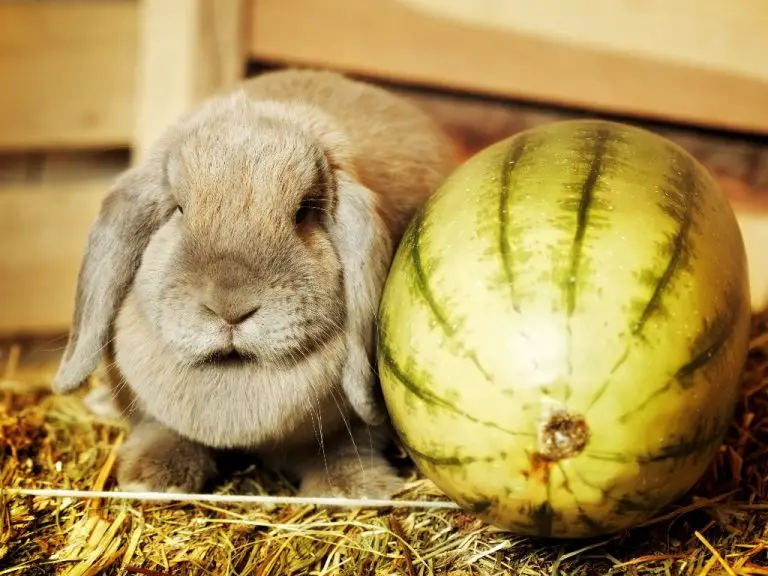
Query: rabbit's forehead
268, 187
263, 198
261, 167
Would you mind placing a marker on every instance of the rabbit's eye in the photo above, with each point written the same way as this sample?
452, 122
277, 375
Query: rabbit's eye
179, 209
307, 210
303, 213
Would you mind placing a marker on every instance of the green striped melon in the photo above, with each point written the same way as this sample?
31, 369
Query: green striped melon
564, 327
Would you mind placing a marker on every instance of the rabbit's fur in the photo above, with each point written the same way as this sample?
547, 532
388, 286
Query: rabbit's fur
232, 279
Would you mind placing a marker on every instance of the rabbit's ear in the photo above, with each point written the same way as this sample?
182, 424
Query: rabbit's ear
135, 206
364, 246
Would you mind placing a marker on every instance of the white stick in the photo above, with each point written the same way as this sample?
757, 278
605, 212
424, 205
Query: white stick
233, 499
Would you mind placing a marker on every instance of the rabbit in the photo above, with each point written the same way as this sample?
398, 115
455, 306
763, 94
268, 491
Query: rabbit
231, 280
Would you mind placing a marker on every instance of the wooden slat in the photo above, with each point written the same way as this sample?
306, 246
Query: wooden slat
727, 36
725, 87
67, 73
754, 229
188, 49
42, 234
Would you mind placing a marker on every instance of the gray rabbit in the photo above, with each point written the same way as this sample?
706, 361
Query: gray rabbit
231, 282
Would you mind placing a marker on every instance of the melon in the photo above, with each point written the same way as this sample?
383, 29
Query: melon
564, 327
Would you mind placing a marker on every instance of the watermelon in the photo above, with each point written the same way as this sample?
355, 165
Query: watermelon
563, 329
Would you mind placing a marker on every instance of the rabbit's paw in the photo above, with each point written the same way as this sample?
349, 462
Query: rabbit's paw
367, 475
156, 459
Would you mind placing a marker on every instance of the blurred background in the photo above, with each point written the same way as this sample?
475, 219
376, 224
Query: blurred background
88, 84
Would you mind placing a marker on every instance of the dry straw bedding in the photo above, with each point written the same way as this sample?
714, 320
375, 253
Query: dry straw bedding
49, 442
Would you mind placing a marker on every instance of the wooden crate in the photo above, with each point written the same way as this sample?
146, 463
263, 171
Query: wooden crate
87, 76
678, 60
80, 76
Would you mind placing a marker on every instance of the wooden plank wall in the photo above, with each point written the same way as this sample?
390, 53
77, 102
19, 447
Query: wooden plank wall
88, 84
680, 61
67, 72
99, 76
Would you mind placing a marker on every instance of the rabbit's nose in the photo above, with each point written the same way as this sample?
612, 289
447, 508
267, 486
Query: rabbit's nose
232, 314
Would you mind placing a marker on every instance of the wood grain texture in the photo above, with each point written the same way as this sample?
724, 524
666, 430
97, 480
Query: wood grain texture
67, 72
724, 36
392, 40
42, 234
